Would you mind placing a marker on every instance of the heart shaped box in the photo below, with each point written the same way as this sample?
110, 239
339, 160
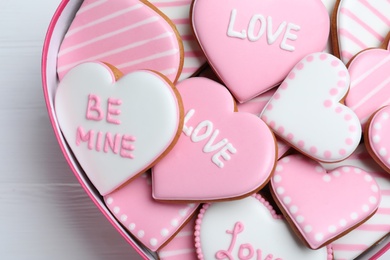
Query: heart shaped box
56, 31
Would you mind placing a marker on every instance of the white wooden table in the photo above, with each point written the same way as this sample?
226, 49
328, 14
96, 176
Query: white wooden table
44, 213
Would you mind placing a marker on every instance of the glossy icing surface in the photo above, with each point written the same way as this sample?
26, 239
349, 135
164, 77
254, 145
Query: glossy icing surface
361, 24
370, 83
151, 222
127, 34
252, 38
316, 123
345, 195
104, 121
220, 154
248, 229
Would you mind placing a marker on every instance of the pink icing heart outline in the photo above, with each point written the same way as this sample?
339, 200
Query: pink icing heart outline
131, 203
347, 196
378, 138
311, 93
241, 206
287, 35
249, 150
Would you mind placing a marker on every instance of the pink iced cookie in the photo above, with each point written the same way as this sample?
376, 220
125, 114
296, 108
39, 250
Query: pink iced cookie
104, 121
252, 45
152, 223
363, 237
360, 24
178, 11
305, 110
181, 246
370, 82
248, 229
323, 205
221, 154
255, 106
329, 4
377, 138
128, 34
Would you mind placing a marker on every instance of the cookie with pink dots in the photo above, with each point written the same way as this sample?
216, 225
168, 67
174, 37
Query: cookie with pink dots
377, 138
306, 111
152, 223
249, 228
370, 81
358, 25
129, 34
258, 40
324, 205
178, 11
221, 154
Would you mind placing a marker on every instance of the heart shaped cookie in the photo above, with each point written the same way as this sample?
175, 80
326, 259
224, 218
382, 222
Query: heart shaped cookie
377, 138
359, 25
151, 222
323, 206
178, 11
221, 154
316, 123
248, 229
258, 40
368, 234
370, 82
116, 129
129, 34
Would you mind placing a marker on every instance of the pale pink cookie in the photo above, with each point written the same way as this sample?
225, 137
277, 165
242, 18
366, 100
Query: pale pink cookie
358, 25
151, 222
221, 154
178, 11
255, 106
252, 45
370, 82
248, 229
322, 206
368, 234
181, 246
329, 4
305, 110
128, 34
104, 121
377, 137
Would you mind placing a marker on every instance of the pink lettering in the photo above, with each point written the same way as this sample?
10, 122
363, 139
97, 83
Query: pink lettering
94, 111
109, 143
245, 251
84, 137
126, 147
112, 111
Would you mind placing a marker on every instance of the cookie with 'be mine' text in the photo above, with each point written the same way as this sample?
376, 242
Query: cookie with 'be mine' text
117, 127
221, 154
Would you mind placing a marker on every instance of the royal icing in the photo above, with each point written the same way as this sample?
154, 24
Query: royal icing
178, 12
151, 222
181, 246
220, 154
378, 138
248, 229
342, 198
255, 106
370, 82
316, 123
252, 38
361, 24
127, 34
329, 4
105, 122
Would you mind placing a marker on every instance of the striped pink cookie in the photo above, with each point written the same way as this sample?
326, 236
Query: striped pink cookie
374, 229
129, 34
181, 246
359, 24
179, 13
370, 82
